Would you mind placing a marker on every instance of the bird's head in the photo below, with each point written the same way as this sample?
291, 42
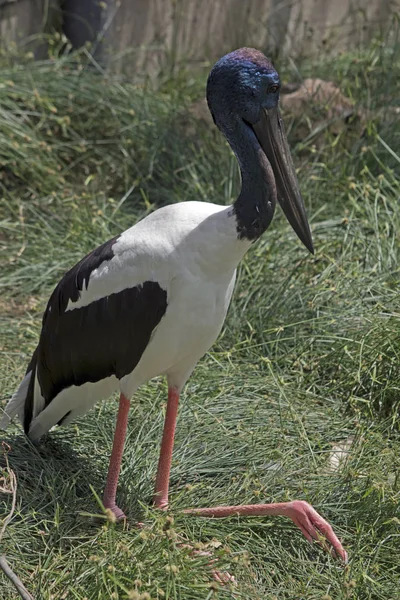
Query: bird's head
243, 89
242, 83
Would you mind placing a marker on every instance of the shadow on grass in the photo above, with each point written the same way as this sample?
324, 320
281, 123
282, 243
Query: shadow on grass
54, 478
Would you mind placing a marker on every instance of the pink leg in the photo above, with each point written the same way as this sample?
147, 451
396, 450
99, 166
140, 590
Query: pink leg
164, 464
164, 468
116, 458
313, 526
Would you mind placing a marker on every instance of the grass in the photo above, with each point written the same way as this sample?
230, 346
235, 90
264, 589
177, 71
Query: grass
308, 361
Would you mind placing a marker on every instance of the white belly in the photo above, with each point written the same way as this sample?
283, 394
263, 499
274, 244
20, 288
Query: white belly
190, 326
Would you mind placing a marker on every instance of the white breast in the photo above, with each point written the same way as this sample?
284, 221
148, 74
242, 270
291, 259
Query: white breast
196, 262
193, 321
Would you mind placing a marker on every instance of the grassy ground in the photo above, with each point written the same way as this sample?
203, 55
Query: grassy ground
297, 399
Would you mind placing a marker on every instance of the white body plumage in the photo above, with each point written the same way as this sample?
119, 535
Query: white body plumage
191, 250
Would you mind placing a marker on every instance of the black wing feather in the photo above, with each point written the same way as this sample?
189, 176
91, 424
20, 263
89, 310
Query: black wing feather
106, 337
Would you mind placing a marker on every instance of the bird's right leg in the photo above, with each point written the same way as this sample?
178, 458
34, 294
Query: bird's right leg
167, 445
109, 498
163, 474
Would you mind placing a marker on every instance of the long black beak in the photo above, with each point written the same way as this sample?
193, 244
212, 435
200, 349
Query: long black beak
272, 139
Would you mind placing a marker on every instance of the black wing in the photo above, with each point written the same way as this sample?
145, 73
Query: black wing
106, 337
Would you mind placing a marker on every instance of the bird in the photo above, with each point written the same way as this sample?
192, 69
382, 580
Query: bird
152, 300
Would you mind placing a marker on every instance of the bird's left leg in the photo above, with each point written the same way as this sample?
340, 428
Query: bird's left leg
167, 446
109, 498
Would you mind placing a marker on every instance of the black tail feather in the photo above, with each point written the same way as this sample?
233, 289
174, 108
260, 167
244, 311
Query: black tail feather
28, 408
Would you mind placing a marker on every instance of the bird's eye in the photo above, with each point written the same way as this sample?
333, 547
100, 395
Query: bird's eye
272, 89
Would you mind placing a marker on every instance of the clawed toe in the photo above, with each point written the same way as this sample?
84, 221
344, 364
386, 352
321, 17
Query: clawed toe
315, 528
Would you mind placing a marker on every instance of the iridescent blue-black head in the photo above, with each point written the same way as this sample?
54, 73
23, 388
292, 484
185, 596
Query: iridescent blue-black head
243, 98
243, 82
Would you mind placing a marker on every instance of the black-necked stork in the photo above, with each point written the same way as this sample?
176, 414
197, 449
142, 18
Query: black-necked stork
153, 300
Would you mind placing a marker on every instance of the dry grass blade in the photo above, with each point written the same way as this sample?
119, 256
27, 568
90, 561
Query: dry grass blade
5, 567
9, 486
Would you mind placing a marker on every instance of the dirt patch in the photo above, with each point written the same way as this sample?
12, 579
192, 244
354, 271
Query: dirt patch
17, 307
319, 95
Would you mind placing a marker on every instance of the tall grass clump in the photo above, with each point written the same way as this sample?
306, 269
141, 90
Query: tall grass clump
298, 398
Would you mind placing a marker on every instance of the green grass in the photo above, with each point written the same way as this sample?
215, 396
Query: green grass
308, 359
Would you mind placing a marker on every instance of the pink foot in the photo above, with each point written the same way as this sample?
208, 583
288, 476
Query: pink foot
314, 527
116, 511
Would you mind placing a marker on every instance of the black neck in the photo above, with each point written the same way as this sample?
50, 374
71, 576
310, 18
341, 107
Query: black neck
255, 206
